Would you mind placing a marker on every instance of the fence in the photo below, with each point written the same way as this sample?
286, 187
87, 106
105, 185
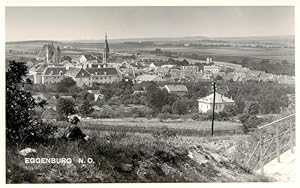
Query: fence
274, 139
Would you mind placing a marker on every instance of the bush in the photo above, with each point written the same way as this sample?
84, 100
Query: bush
136, 112
200, 117
164, 116
74, 89
165, 133
166, 109
250, 122
86, 108
65, 84
179, 107
65, 107
252, 108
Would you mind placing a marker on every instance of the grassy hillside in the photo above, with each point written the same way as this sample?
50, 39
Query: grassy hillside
118, 157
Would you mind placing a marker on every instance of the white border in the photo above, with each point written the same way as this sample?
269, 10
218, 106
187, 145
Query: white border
20, 3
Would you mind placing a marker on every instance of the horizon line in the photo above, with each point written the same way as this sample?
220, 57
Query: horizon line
145, 38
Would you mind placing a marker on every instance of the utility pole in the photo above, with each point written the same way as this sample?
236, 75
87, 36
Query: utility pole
213, 112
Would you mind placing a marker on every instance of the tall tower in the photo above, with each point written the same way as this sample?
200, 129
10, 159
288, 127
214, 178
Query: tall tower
106, 50
57, 55
47, 54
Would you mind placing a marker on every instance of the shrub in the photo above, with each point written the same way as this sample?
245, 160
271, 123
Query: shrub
166, 109
252, 108
250, 122
179, 107
65, 107
165, 133
65, 84
200, 117
74, 89
136, 112
164, 116
86, 108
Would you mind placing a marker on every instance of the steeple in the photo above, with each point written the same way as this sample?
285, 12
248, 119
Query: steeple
106, 50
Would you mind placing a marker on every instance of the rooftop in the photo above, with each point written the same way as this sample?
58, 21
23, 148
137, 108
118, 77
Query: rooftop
176, 88
218, 99
103, 71
54, 71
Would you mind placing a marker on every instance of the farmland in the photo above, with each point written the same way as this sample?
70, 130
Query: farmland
223, 49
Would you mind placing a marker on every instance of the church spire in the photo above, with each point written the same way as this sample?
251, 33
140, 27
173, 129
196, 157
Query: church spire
106, 50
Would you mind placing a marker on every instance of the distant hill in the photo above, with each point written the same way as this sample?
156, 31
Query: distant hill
261, 39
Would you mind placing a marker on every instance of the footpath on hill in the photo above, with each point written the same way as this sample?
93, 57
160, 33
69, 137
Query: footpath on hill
283, 171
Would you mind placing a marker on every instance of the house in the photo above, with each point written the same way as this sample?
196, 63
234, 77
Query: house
179, 90
190, 68
211, 69
161, 71
152, 66
148, 78
205, 104
53, 75
167, 66
80, 75
84, 58
104, 75
37, 72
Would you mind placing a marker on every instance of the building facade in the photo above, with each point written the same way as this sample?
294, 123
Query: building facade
211, 69
205, 104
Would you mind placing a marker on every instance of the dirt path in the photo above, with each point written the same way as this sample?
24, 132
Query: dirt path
283, 171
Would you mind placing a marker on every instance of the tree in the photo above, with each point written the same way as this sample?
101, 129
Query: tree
156, 98
74, 89
86, 108
21, 126
218, 77
240, 104
252, 108
166, 109
65, 107
230, 110
249, 122
203, 91
65, 84
107, 92
84, 95
179, 107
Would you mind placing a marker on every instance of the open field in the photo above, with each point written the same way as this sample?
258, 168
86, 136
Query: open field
236, 50
143, 125
237, 53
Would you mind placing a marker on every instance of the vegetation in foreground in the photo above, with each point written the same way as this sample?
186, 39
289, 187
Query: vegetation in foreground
116, 157
122, 158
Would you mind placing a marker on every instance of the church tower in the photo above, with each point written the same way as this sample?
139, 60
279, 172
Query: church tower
57, 55
47, 54
106, 50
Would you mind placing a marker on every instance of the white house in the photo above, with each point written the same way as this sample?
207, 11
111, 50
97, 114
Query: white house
211, 69
205, 104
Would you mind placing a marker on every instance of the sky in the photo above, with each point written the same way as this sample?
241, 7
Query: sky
90, 23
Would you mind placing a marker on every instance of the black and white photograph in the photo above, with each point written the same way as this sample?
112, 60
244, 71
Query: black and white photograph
149, 94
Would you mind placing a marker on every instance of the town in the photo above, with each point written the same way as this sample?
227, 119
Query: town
91, 70
110, 102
